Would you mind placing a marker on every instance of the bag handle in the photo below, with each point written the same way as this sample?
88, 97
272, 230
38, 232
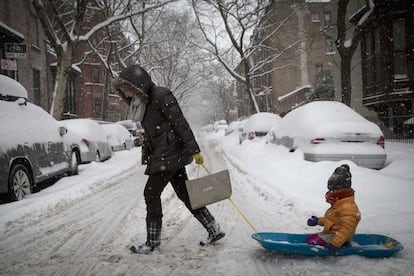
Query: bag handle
205, 168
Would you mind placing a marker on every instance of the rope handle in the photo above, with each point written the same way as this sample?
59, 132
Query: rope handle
237, 208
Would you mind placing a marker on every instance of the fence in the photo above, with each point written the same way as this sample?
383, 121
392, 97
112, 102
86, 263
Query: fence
398, 128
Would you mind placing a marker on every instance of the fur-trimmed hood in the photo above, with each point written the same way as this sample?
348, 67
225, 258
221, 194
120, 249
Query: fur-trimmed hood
137, 78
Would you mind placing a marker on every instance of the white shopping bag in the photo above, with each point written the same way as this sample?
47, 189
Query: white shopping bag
209, 189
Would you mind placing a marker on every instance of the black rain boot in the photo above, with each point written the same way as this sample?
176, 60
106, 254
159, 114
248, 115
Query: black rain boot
153, 239
210, 224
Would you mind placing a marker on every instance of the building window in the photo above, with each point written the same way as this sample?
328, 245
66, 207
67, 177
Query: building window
98, 108
373, 60
315, 17
36, 87
328, 18
96, 77
369, 57
319, 68
329, 45
70, 104
377, 55
399, 48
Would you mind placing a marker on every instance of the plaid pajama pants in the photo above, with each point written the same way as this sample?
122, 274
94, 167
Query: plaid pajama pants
152, 193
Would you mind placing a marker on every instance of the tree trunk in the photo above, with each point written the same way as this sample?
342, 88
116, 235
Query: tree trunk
62, 76
249, 89
346, 79
252, 97
105, 96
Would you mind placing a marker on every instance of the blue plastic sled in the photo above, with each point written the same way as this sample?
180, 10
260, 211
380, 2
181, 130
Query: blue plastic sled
367, 245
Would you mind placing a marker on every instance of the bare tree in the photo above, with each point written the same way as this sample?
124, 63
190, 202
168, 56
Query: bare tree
229, 40
62, 22
346, 43
173, 60
159, 40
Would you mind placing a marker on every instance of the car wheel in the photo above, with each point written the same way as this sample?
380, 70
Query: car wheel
74, 163
125, 147
20, 182
98, 157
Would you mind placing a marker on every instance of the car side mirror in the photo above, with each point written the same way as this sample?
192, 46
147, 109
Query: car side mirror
62, 130
21, 101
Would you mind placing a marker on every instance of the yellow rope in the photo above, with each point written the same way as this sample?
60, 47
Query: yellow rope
243, 216
237, 208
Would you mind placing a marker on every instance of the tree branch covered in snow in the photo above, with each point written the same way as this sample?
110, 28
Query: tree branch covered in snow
236, 32
65, 22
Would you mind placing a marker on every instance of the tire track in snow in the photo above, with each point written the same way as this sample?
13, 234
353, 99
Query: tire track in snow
72, 231
238, 239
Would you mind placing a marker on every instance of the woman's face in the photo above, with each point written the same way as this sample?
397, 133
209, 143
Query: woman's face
127, 91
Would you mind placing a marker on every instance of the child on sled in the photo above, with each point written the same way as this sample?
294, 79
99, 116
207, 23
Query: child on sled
341, 219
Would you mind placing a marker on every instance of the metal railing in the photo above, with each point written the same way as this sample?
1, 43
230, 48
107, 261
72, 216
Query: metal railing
398, 128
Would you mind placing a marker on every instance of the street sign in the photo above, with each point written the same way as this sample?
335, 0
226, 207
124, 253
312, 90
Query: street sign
15, 50
9, 64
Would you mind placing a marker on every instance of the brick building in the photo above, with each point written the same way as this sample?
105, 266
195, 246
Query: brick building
307, 39
89, 90
387, 49
20, 28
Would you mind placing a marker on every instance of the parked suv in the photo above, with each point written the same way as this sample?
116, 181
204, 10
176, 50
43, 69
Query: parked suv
33, 147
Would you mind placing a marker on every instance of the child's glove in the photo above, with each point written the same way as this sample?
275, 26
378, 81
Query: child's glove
331, 248
198, 158
313, 220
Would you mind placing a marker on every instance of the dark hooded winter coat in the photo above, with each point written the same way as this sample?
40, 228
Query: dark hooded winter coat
169, 141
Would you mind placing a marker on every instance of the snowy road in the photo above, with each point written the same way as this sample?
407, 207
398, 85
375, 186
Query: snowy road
90, 235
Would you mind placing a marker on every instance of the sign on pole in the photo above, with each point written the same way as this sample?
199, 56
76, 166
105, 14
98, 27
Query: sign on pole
9, 64
15, 50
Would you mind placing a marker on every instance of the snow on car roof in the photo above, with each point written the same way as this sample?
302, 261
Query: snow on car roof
86, 128
116, 130
324, 118
262, 121
26, 124
129, 124
10, 87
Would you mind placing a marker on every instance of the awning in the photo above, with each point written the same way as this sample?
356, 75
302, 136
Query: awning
409, 121
9, 34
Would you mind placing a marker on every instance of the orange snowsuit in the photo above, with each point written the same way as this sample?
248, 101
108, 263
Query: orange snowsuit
341, 220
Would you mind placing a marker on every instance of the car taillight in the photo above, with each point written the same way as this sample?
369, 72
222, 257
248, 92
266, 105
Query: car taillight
86, 142
317, 141
381, 142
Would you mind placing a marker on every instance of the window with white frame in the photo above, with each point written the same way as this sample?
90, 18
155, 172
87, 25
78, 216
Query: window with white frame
327, 18
399, 49
329, 45
315, 17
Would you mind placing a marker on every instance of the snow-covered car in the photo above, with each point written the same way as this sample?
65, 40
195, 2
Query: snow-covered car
328, 130
258, 125
94, 145
33, 146
233, 126
136, 130
118, 136
208, 128
220, 125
